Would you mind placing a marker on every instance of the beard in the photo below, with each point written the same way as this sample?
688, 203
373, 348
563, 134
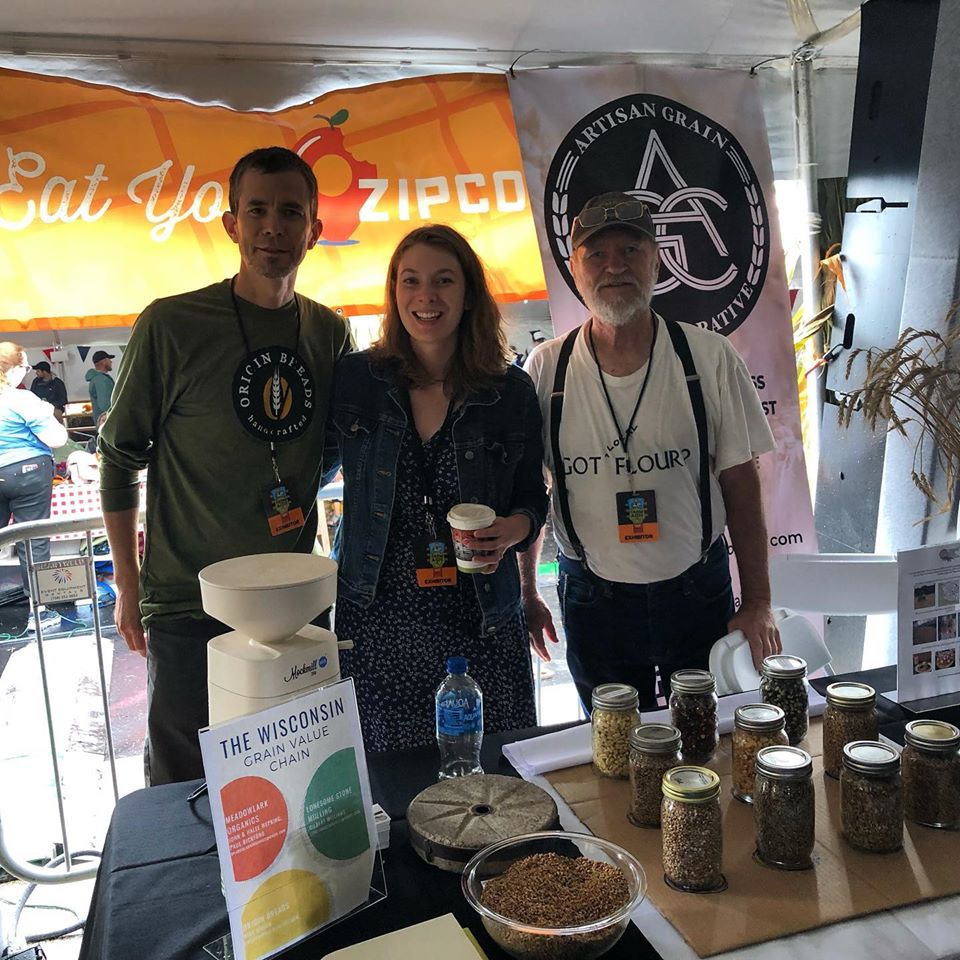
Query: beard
622, 310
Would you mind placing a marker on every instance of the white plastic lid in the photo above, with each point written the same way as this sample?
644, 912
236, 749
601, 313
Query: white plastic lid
471, 516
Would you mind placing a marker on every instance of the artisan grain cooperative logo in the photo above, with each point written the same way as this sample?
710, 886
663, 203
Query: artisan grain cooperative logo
273, 394
707, 205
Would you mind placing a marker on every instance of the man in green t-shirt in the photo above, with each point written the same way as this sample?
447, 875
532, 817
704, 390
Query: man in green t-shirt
222, 397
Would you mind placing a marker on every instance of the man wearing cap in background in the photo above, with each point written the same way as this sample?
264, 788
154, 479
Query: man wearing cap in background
50, 388
651, 430
101, 383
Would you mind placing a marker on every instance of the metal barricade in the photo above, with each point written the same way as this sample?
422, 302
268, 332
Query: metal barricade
83, 528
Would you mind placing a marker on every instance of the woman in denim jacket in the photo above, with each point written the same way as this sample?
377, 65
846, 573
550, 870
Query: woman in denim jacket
432, 416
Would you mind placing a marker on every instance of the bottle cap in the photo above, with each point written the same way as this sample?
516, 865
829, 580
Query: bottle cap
691, 784
693, 681
655, 738
784, 666
849, 695
871, 758
934, 735
759, 717
457, 665
784, 763
615, 696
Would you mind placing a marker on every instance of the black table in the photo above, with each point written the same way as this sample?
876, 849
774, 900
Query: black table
157, 895
893, 717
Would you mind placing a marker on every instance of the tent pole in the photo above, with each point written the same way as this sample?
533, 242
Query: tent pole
802, 74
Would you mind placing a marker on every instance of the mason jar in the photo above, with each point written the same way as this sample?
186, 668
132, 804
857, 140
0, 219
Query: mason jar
930, 763
850, 714
693, 710
755, 726
654, 749
783, 683
871, 798
784, 808
615, 713
692, 836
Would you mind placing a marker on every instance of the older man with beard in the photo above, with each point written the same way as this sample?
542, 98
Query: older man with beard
651, 430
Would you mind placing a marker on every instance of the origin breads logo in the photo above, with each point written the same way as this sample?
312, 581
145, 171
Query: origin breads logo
273, 394
707, 205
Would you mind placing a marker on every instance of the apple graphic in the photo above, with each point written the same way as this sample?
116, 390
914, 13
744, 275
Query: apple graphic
339, 211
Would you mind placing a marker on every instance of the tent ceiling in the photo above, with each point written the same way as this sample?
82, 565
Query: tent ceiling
433, 29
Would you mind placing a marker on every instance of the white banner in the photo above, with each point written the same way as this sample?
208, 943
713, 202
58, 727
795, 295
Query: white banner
692, 144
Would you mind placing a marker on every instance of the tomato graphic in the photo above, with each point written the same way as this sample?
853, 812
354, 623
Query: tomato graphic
335, 166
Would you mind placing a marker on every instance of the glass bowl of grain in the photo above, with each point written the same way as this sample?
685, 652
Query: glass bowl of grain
554, 895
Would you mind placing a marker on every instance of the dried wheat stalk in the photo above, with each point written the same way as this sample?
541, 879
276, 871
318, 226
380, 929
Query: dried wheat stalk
916, 381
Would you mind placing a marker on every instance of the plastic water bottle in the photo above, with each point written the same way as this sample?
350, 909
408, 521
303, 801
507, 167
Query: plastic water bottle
459, 721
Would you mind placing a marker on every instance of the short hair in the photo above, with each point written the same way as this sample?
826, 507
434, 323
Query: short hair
273, 160
482, 353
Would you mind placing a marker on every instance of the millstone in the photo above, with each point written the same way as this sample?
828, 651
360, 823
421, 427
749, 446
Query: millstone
453, 819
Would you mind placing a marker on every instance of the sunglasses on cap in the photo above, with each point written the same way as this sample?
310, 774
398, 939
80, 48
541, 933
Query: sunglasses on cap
625, 211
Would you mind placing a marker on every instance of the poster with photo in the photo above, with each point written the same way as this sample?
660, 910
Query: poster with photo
928, 663
292, 814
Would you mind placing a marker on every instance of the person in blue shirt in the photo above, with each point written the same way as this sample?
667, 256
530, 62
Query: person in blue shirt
28, 433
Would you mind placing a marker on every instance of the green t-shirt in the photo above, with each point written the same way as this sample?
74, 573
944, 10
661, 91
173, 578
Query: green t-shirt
198, 413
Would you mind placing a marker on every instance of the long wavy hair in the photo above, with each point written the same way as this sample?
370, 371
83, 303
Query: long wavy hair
481, 355
11, 355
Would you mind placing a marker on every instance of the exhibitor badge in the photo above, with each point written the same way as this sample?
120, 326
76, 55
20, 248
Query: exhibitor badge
711, 220
273, 394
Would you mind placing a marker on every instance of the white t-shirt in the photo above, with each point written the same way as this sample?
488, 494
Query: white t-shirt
663, 452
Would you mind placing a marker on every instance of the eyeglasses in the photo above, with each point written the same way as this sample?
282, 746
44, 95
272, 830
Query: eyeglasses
626, 210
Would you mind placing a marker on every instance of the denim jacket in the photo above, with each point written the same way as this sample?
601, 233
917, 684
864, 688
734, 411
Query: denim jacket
497, 437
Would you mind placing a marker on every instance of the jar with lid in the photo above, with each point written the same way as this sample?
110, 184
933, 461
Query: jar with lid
784, 808
615, 713
783, 683
931, 774
693, 710
851, 714
871, 799
692, 836
756, 725
654, 749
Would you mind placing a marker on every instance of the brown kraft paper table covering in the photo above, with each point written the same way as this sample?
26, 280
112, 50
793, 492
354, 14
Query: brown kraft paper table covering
763, 903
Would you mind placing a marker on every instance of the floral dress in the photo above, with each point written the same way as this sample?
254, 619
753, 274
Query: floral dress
403, 639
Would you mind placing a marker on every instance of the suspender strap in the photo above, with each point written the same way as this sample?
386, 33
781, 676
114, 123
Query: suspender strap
682, 350
556, 413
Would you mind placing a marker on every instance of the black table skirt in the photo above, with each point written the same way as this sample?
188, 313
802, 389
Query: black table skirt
157, 895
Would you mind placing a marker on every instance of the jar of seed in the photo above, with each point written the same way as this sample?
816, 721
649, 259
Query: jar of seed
615, 713
783, 683
693, 710
871, 799
931, 774
851, 714
692, 837
654, 749
784, 808
756, 725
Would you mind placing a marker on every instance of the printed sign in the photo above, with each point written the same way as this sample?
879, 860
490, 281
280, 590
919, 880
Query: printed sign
293, 818
928, 606
63, 580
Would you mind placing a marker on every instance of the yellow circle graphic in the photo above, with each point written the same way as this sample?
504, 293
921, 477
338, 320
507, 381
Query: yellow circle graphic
286, 906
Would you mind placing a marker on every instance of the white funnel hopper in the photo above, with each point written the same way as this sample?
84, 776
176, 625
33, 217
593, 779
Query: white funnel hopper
269, 596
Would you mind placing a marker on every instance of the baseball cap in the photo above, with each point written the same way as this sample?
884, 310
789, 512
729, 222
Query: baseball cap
102, 355
42, 365
611, 209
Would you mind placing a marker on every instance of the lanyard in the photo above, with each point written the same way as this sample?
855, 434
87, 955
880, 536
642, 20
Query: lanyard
426, 467
285, 391
625, 436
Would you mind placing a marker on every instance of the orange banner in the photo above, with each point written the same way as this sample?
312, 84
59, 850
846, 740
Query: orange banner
110, 199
